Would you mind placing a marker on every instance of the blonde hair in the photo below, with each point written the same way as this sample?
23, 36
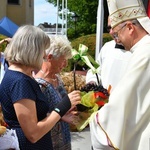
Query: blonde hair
60, 46
27, 46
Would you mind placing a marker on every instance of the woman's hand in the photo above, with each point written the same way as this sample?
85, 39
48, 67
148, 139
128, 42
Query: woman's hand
7, 40
71, 117
75, 98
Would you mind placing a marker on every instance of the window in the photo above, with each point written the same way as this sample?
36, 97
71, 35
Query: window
16, 2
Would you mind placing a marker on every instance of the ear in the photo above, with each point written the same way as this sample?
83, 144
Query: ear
131, 28
49, 57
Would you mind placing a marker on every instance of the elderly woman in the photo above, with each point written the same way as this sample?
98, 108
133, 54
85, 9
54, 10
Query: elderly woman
24, 105
56, 59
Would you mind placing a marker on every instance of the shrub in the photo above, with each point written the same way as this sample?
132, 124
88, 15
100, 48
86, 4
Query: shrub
90, 42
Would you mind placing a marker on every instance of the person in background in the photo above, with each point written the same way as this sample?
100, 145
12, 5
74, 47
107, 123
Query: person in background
147, 6
113, 60
52, 86
7, 40
124, 122
4, 63
24, 106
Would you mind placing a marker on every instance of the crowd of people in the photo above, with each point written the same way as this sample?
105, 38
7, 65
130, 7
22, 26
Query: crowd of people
36, 106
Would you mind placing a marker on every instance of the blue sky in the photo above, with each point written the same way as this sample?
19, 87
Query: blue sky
44, 12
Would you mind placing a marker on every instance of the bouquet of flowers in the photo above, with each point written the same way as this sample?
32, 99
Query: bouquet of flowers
93, 96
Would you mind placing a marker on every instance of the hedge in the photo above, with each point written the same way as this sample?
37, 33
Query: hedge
90, 42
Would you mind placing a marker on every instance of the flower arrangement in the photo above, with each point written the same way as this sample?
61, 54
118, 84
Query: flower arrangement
82, 56
93, 96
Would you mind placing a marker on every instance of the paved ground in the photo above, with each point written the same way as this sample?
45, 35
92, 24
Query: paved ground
81, 140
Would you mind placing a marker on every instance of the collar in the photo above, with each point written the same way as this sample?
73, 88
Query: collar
119, 46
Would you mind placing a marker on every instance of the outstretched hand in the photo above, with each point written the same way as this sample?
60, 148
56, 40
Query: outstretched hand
75, 98
71, 117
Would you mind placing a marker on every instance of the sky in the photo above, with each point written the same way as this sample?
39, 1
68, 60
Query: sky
44, 12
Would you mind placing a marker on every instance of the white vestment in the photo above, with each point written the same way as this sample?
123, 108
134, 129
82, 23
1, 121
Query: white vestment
126, 117
113, 62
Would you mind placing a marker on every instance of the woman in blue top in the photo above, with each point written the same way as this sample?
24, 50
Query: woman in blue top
52, 86
24, 106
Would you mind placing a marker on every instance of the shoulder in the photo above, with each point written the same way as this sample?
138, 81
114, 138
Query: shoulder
107, 48
110, 43
44, 85
17, 79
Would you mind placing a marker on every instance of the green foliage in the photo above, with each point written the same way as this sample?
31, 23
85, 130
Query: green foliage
87, 12
90, 42
70, 33
106, 38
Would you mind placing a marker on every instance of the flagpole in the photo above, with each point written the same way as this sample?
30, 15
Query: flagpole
57, 17
99, 28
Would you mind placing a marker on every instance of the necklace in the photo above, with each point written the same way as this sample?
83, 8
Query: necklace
53, 79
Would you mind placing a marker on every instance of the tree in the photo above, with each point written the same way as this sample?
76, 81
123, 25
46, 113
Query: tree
87, 12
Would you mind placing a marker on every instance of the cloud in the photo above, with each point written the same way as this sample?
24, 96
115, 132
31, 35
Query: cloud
44, 12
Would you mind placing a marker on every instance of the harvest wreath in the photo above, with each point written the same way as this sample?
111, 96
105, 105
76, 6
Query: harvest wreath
93, 96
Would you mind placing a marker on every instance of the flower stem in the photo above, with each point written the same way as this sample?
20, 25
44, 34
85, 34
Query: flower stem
74, 75
97, 79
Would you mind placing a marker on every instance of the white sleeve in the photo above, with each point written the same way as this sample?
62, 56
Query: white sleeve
92, 77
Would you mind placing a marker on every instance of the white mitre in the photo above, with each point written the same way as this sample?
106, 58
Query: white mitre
123, 10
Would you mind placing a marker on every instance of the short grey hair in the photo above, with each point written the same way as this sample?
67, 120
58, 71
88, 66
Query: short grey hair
133, 21
60, 46
27, 46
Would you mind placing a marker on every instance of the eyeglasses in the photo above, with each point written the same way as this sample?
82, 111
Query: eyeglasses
108, 28
115, 34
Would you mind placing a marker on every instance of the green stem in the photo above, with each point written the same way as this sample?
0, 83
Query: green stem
97, 79
74, 75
